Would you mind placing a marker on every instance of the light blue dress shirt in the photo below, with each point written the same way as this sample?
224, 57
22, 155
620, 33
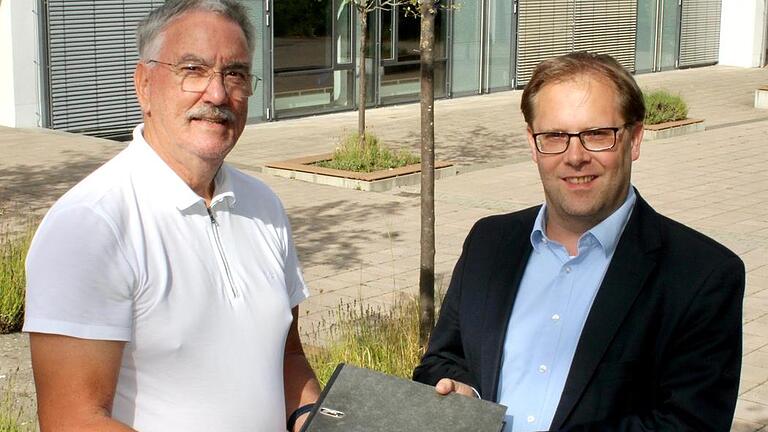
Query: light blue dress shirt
552, 304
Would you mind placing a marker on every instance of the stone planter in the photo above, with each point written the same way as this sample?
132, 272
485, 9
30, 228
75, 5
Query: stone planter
761, 97
377, 181
673, 129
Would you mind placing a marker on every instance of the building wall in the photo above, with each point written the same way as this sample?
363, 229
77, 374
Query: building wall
742, 43
19, 83
742, 33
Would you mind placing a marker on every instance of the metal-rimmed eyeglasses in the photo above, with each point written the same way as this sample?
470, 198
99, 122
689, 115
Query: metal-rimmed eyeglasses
596, 140
196, 77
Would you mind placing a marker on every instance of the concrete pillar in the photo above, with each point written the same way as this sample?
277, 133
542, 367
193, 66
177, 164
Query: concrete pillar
743, 33
19, 72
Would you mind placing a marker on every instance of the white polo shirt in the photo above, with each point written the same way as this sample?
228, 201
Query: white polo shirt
202, 299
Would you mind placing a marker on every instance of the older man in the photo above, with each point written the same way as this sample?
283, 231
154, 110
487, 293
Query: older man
163, 289
591, 312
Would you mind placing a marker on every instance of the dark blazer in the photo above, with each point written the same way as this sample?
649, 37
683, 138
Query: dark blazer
661, 347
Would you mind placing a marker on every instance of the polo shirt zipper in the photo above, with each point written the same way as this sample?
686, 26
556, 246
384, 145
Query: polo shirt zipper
217, 238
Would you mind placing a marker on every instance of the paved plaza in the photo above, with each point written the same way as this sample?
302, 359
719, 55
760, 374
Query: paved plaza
364, 246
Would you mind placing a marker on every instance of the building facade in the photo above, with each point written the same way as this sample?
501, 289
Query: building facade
68, 64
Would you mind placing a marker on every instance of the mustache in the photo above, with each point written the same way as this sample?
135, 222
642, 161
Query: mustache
211, 113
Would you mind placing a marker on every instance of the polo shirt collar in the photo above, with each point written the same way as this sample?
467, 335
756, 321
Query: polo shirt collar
223, 190
606, 233
164, 180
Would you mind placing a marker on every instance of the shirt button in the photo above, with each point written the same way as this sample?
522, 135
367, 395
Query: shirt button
531, 419
556, 317
542, 368
567, 269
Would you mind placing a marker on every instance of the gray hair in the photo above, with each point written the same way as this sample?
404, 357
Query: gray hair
150, 29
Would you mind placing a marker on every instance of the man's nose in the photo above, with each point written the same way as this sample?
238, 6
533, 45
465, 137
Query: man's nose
576, 153
216, 91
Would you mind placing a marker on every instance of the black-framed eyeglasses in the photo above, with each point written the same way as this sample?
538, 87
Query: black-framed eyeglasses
596, 140
196, 77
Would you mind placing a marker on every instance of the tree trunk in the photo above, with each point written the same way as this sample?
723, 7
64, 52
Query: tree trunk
427, 273
362, 79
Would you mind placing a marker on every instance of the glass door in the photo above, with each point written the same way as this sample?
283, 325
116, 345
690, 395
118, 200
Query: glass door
658, 35
467, 52
257, 105
669, 45
484, 46
499, 36
312, 57
645, 51
399, 74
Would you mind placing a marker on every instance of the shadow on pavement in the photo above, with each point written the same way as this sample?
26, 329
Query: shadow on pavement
477, 144
335, 233
28, 190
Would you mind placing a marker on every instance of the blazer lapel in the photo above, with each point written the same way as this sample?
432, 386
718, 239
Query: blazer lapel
510, 261
623, 281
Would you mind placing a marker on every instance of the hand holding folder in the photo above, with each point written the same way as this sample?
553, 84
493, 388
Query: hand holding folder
358, 399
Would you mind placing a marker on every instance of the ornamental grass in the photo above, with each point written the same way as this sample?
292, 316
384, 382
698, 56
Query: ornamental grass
13, 418
385, 340
662, 106
351, 155
13, 251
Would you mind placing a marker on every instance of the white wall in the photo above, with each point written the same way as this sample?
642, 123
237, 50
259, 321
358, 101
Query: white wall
742, 32
19, 77
7, 111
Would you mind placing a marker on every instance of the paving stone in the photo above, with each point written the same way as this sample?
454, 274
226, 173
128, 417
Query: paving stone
751, 413
745, 426
758, 395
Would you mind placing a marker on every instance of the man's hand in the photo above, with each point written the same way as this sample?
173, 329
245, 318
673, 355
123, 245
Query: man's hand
301, 385
300, 422
447, 385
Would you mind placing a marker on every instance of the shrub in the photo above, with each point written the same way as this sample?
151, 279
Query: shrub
662, 106
386, 341
351, 156
13, 250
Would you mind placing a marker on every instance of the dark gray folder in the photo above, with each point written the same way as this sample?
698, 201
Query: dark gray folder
358, 399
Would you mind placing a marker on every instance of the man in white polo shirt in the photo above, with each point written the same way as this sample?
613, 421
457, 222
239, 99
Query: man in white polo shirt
163, 289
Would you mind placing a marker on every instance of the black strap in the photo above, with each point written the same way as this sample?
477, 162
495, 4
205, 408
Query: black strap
298, 413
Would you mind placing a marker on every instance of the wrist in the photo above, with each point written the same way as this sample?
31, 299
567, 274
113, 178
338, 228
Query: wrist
300, 411
476, 393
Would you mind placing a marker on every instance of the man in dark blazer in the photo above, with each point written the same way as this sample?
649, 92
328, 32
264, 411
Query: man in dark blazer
592, 312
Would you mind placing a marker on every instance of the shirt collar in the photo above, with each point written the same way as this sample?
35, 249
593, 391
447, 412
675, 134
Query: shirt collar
607, 232
223, 189
538, 237
165, 180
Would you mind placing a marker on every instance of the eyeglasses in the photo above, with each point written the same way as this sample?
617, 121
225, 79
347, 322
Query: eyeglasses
596, 140
196, 77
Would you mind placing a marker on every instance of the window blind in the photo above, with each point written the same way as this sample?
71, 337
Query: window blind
91, 56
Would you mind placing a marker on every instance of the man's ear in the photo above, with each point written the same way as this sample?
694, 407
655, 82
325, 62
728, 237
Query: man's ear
141, 84
637, 138
532, 144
